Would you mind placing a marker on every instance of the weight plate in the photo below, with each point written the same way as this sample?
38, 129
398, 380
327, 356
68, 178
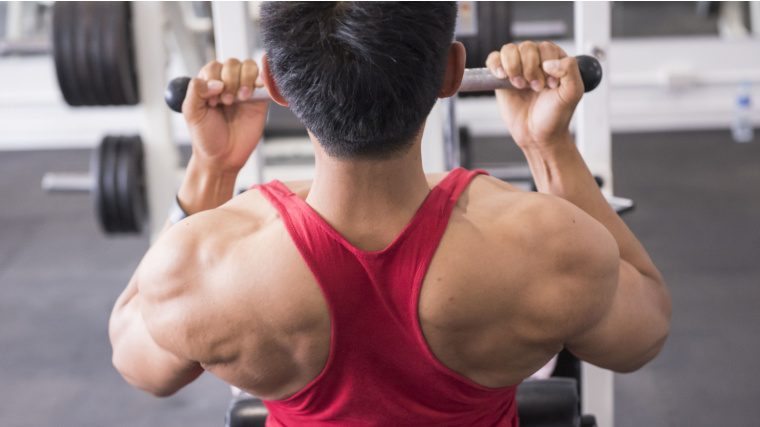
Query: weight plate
129, 184
111, 221
125, 62
94, 58
109, 51
83, 31
138, 199
123, 196
96, 160
64, 24
97, 167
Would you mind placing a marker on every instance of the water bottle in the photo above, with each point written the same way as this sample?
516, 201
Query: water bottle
741, 128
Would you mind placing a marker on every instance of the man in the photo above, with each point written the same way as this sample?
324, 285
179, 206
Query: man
374, 294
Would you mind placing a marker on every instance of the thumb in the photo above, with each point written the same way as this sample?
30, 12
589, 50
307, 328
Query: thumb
199, 93
569, 76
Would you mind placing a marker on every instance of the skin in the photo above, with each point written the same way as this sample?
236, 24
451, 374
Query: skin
517, 275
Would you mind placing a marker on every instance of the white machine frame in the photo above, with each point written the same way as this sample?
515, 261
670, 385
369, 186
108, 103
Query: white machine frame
594, 139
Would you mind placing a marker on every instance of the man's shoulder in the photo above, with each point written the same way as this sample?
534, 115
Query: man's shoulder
197, 245
543, 243
508, 209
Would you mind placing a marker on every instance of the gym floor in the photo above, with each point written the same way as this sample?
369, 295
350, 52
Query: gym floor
698, 203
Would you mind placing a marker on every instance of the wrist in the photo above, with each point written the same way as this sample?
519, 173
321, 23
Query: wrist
205, 187
548, 145
554, 162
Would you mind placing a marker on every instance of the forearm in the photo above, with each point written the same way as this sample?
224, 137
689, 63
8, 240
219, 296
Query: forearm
205, 188
202, 189
561, 171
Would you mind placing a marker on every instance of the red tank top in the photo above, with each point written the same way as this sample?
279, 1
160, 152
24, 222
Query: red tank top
380, 371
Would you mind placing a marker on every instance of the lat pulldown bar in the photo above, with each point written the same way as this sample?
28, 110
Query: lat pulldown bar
474, 80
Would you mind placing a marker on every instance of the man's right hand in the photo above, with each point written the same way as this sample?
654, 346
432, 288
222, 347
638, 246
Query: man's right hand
224, 133
539, 115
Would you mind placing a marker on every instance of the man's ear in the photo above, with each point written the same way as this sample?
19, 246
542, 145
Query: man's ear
454, 70
270, 84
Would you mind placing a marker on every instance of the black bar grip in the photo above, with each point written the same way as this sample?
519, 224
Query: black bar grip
474, 80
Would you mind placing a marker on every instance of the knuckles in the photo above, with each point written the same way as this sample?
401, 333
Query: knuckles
528, 46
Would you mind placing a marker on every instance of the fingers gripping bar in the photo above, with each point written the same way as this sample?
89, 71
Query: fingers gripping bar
474, 80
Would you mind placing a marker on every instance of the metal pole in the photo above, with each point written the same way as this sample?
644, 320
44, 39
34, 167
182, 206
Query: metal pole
231, 23
451, 141
594, 139
593, 133
161, 155
433, 150
754, 18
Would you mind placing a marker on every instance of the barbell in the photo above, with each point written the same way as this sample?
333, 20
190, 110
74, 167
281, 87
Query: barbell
474, 80
116, 180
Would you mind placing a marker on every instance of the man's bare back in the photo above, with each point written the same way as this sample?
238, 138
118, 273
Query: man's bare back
487, 310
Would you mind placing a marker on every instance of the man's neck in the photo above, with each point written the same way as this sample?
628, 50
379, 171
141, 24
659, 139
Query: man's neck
368, 199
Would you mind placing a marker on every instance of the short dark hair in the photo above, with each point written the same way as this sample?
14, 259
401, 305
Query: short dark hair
361, 76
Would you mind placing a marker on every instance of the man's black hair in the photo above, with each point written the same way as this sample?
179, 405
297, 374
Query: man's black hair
361, 76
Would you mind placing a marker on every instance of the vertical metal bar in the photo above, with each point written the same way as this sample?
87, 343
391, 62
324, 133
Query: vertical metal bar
433, 152
451, 134
754, 18
161, 155
14, 29
593, 133
594, 139
231, 24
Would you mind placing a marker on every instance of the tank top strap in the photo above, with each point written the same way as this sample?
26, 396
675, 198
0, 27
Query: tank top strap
456, 182
434, 214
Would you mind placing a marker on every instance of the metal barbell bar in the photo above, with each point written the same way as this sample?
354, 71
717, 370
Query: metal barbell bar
474, 80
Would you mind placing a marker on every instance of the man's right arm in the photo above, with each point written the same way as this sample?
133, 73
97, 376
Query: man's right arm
630, 322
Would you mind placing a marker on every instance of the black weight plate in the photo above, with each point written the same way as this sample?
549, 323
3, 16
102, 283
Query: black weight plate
124, 57
111, 223
96, 165
123, 191
94, 57
64, 25
98, 168
129, 184
112, 13
129, 76
83, 32
137, 183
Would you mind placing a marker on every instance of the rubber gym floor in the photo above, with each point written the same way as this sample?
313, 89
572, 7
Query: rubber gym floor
697, 200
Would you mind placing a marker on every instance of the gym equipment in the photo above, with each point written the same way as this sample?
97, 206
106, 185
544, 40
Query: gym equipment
474, 80
93, 53
552, 402
483, 25
116, 181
